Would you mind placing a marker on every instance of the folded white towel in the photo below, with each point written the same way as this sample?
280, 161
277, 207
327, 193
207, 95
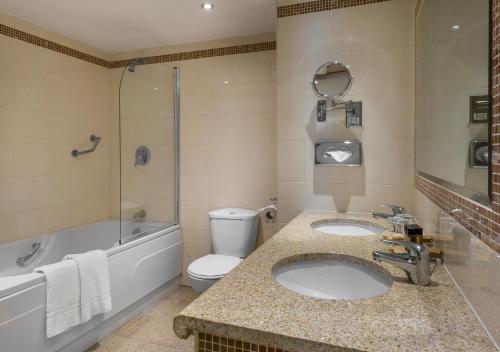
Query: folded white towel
63, 296
95, 297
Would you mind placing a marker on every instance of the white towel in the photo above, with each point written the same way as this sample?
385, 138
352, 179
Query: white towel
63, 296
95, 297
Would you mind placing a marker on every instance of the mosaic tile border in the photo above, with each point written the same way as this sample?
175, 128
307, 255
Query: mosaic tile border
320, 5
482, 221
198, 54
214, 343
47, 44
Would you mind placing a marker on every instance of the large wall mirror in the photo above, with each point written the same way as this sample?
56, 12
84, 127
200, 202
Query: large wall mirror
453, 95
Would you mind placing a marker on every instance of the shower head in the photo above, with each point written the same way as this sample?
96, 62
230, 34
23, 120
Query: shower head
131, 65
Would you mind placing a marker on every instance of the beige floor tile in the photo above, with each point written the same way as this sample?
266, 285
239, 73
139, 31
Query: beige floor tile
153, 330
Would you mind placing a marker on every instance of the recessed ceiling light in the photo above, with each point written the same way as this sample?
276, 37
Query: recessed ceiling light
207, 6
226, 82
455, 27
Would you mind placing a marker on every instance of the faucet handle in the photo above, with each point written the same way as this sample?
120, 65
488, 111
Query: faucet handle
396, 209
415, 249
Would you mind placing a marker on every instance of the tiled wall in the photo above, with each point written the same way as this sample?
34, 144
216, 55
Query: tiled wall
473, 265
61, 97
452, 65
50, 103
380, 54
227, 140
147, 119
482, 221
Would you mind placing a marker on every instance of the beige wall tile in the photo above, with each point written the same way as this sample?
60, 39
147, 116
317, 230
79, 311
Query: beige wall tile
378, 52
52, 105
228, 139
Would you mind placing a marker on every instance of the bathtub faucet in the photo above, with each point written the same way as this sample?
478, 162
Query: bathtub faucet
27, 259
139, 216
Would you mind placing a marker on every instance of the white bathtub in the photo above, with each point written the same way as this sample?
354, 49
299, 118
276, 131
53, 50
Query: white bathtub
137, 270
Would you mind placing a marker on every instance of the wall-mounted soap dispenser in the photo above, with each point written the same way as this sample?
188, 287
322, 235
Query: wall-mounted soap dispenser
332, 81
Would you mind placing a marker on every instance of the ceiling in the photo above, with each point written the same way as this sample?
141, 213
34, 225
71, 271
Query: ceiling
115, 26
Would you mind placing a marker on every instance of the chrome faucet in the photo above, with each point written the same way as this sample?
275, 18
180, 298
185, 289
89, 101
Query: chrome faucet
139, 216
28, 258
416, 262
396, 210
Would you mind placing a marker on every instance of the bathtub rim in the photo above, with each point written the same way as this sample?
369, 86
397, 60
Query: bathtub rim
13, 284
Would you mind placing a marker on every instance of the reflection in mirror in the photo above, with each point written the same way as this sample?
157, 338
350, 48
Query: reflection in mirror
452, 93
332, 80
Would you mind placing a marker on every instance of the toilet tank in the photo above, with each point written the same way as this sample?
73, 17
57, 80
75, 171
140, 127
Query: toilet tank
233, 231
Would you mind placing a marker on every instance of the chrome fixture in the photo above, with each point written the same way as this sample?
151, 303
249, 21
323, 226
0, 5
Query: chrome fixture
479, 154
479, 109
139, 216
94, 139
142, 156
332, 81
28, 258
396, 210
415, 263
339, 153
131, 65
270, 212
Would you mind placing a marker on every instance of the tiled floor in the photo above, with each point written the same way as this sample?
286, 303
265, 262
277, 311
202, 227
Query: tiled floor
152, 331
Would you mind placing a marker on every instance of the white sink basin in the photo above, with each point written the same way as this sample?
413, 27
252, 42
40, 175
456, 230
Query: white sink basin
338, 277
347, 227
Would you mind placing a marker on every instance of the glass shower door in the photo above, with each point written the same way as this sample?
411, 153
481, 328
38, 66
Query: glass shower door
149, 150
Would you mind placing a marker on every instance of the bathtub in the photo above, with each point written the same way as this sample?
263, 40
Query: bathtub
140, 268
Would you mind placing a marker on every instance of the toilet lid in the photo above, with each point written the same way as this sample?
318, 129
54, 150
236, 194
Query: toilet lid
213, 266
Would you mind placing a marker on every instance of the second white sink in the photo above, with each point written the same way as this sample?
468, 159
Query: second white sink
347, 228
335, 278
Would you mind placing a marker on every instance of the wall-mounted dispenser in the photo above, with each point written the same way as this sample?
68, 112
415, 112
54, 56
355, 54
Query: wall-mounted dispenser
332, 81
339, 153
479, 154
479, 108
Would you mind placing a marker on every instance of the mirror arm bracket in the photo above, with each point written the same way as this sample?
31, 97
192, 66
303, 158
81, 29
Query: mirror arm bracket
323, 107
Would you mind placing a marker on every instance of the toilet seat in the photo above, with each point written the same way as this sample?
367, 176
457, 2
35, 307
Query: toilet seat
212, 266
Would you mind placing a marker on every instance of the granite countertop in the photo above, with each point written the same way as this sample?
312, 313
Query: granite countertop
248, 305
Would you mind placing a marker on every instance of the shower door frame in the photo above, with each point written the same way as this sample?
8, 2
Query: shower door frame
177, 144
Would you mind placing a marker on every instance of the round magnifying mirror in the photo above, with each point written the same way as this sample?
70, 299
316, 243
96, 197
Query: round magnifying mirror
332, 80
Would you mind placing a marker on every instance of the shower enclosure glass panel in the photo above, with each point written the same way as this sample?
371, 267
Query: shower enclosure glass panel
148, 125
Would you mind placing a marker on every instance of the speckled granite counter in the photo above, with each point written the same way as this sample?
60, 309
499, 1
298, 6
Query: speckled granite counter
248, 305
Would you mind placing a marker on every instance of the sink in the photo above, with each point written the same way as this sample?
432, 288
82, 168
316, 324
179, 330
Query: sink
332, 276
347, 227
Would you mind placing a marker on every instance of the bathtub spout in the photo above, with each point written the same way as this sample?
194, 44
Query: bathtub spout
27, 259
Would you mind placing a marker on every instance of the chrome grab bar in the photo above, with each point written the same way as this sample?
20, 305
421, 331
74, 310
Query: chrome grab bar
94, 139
27, 259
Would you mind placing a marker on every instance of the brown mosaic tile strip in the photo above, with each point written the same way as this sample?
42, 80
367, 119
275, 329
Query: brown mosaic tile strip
199, 54
213, 343
479, 220
47, 44
495, 120
320, 5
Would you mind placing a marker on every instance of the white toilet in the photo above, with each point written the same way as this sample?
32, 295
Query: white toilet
233, 232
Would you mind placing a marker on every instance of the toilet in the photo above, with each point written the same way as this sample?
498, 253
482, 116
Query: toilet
233, 232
